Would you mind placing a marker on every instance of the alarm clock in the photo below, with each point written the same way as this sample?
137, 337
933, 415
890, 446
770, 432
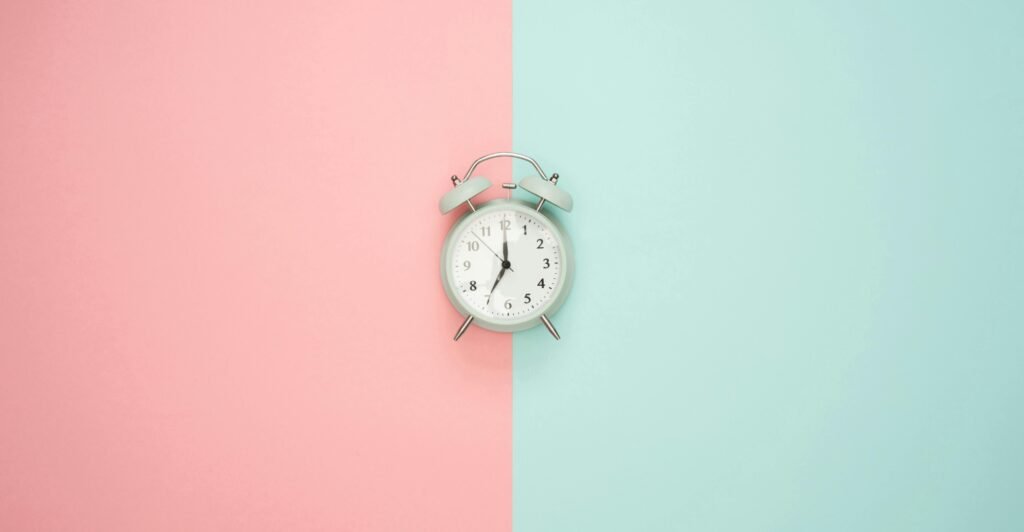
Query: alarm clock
506, 265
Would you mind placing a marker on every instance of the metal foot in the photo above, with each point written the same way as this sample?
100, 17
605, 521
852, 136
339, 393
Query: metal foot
462, 329
551, 328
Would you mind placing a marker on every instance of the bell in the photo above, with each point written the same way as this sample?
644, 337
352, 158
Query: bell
547, 191
463, 192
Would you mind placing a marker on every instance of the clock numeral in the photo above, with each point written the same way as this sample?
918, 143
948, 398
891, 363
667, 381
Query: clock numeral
524, 229
485, 230
547, 264
472, 286
473, 246
540, 243
506, 225
508, 304
466, 264
526, 298
541, 283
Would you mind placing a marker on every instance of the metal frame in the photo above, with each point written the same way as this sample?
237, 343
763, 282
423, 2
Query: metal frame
509, 154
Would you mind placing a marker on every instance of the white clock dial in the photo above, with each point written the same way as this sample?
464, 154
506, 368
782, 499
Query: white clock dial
499, 288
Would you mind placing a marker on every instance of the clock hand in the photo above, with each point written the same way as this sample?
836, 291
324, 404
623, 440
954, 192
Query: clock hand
496, 281
504, 242
495, 253
486, 246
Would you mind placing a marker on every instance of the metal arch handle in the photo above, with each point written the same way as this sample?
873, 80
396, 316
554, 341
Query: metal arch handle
521, 157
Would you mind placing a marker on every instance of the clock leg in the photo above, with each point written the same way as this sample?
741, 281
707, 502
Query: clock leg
551, 328
462, 329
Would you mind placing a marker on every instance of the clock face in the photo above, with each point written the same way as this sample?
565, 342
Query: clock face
505, 286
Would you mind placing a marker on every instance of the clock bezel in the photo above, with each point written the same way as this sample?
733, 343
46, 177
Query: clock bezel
561, 290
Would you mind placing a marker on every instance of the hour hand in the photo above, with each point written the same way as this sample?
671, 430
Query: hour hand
491, 250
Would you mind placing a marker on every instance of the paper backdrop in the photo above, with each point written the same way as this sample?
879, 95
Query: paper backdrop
798, 302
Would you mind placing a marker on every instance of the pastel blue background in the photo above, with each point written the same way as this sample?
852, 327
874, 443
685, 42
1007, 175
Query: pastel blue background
800, 242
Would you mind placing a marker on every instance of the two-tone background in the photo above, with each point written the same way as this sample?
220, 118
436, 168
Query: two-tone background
799, 231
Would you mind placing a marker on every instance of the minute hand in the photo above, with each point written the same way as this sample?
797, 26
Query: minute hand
495, 253
495, 285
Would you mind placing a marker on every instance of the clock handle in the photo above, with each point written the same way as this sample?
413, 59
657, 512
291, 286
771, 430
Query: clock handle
521, 157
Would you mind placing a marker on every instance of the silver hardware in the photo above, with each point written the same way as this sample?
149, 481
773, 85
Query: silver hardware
551, 328
553, 178
554, 181
505, 154
456, 182
465, 325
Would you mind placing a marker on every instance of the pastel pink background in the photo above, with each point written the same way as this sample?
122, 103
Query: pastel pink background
219, 294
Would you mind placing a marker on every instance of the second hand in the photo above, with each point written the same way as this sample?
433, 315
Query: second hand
491, 250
